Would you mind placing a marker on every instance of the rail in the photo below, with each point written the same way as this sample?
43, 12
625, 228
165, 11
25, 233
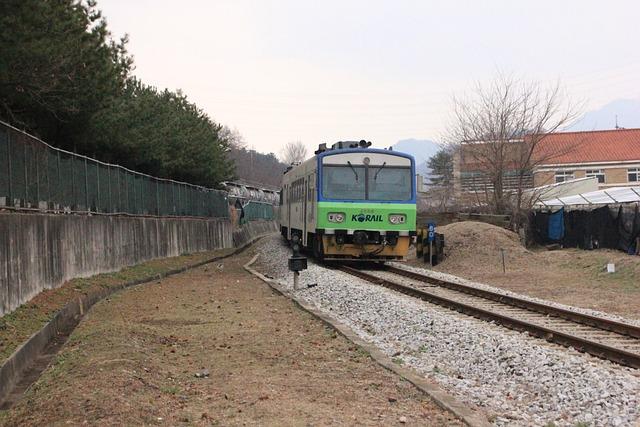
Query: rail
564, 327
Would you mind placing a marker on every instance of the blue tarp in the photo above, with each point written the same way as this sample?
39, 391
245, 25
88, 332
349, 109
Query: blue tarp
556, 225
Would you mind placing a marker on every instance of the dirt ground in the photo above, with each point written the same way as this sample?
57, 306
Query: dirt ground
17, 326
570, 276
133, 360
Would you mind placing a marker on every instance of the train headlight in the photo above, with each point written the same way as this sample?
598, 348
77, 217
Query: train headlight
397, 218
335, 217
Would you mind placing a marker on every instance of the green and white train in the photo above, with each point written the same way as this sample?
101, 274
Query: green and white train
351, 202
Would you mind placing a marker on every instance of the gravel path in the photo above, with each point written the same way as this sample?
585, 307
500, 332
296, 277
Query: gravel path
516, 379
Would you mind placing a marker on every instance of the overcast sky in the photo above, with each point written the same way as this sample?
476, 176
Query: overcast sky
322, 71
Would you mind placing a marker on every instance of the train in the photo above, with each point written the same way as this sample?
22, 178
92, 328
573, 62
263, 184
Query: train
351, 202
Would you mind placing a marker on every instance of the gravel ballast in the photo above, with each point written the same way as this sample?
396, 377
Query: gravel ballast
516, 379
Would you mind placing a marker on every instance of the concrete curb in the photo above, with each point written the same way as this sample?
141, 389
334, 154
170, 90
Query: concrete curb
65, 320
438, 395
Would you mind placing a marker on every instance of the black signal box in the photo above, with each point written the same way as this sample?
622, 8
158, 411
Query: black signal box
297, 263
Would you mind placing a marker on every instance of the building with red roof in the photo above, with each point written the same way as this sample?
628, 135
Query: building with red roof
612, 156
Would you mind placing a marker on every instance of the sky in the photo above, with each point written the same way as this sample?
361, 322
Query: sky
322, 71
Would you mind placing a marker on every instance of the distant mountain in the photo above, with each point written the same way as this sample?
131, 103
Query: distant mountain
627, 110
421, 149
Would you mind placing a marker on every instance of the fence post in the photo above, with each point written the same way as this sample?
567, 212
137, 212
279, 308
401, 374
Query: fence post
37, 156
126, 191
173, 198
179, 198
134, 209
59, 178
10, 201
97, 187
157, 197
109, 187
86, 185
119, 192
74, 190
49, 199
26, 182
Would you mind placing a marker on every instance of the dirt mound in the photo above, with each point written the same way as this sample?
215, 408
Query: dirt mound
477, 244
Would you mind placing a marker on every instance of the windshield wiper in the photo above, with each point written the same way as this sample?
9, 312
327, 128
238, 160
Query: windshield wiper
353, 169
378, 171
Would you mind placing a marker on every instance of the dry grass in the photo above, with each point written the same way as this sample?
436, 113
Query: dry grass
19, 325
132, 361
569, 276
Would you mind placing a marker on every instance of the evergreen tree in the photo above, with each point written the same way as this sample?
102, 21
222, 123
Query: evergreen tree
161, 133
65, 80
58, 67
441, 165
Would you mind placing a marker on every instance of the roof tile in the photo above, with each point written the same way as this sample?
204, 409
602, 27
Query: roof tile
590, 146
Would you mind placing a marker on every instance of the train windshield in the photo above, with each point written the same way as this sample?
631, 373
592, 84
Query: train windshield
344, 182
373, 182
389, 183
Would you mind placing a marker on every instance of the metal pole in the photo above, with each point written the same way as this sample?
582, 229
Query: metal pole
73, 184
127, 189
49, 198
135, 200
97, 187
431, 252
119, 192
296, 280
26, 181
173, 198
504, 268
59, 178
179, 198
37, 156
10, 201
86, 185
157, 198
109, 187
609, 196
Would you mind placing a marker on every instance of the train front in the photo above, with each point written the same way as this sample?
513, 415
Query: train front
366, 204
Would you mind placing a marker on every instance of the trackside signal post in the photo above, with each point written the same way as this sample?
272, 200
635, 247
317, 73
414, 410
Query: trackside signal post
431, 236
297, 262
429, 244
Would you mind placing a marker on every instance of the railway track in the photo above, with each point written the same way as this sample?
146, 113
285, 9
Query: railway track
607, 339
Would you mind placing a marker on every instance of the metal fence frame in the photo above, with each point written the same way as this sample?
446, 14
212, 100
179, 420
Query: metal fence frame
254, 210
36, 176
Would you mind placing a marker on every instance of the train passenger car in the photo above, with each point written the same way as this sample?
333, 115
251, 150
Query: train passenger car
351, 202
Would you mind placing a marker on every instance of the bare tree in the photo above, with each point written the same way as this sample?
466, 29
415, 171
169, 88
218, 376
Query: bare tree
233, 137
500, 129
293, 152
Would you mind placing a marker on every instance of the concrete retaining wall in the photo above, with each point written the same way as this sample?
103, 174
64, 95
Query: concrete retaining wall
39, 251
251, 230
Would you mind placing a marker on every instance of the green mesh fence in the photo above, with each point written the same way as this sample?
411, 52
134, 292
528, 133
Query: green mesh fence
34, 175
257, 210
